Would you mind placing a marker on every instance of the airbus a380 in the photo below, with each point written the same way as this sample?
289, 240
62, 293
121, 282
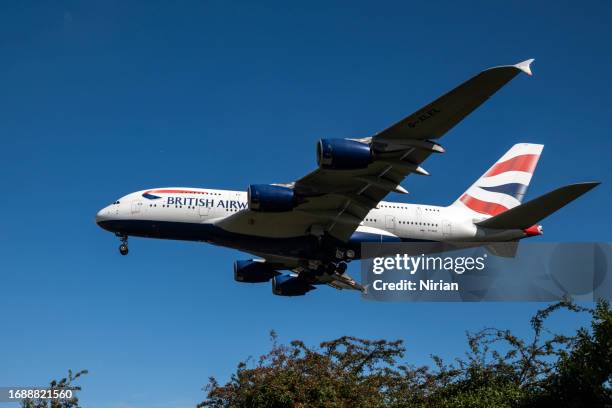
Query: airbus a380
313, 226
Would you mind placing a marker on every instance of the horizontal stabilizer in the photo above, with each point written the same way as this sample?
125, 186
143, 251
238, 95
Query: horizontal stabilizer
531, 212
503, 249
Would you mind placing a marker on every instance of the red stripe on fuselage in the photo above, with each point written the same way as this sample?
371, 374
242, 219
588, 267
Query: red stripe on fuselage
483, 207
524, 162
176, 191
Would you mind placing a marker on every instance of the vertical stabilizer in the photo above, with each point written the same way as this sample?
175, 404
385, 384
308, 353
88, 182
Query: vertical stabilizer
504, 185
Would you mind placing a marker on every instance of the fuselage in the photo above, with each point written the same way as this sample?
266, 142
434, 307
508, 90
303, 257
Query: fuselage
196, 214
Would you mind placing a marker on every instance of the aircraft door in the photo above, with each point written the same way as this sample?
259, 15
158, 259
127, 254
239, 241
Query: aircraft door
419, 214
238, 200
446, 228
136, 206
390, 223
203, 210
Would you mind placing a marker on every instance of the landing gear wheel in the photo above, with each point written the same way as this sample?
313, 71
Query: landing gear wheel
341, 268
123, 249
350, 254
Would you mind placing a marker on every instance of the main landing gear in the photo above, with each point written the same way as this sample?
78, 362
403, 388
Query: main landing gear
330, 268
343, 258
123, 248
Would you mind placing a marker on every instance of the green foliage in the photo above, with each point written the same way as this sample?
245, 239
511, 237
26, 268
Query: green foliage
583, 375
63, 384
499, 370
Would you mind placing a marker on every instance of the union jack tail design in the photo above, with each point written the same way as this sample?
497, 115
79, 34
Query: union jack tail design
503, 186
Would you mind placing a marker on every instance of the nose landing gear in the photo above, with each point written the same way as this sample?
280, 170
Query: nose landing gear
123, 248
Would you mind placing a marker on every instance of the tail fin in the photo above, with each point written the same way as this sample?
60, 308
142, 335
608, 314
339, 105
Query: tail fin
503, 186
530, 213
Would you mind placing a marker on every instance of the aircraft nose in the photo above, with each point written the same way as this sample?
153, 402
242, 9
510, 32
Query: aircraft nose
102, 216
99, 216
107, 218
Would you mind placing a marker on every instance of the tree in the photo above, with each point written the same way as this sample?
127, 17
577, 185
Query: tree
346, 372
66, 383
499, 369
583, 375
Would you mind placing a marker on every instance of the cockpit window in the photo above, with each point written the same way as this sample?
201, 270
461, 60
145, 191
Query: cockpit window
116, 202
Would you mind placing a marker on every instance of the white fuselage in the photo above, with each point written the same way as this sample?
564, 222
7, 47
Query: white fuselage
189, 207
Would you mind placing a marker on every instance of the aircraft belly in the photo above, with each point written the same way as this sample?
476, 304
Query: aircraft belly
270, 225
299, 246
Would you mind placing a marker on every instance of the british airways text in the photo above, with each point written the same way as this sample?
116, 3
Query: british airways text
206, 202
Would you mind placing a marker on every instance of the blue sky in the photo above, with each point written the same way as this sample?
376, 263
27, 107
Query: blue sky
103, 98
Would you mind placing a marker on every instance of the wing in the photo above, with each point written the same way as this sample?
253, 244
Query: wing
336, 201
437, 118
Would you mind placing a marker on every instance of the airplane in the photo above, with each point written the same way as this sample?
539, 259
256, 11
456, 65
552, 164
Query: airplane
314, 226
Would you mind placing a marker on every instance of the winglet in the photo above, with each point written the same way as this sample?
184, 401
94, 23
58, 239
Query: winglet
525, 66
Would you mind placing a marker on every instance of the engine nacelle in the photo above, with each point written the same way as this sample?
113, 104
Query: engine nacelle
270, 198
343, 154
287, 285
253, 271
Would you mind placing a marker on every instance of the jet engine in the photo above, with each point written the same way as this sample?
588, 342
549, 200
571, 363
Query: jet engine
270, 198
343, 154
252, 271
287, 285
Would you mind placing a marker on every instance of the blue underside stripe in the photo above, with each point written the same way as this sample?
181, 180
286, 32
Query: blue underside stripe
303, 246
